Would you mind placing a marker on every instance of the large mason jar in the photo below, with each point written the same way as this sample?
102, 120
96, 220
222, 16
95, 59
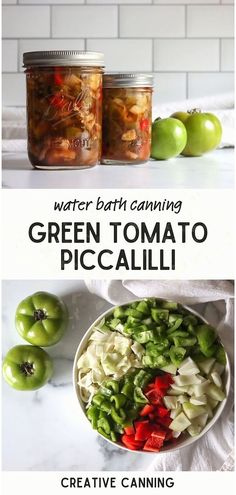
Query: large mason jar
127, 118
64, 108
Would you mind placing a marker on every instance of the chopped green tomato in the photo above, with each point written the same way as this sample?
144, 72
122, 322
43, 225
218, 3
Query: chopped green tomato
143, 336
155, 362
194, 430
211, 351
175, 321
119, 400
206, 336
169, 305
184, 342
143, 307
170, 368
206, 365
139, 396
220, 355
177, 354
155, 349
215, 392
180, 423
113, 436
193, 411
177, 333
190, 320
160, 315
119, 312
93, 415
134, 313
114, 323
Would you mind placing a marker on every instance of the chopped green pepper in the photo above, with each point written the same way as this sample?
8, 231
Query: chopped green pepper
119, 400
93, 415
119, 416
139, 396
177, 354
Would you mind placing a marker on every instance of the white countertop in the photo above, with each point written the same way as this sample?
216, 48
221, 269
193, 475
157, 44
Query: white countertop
212, 171
44, 430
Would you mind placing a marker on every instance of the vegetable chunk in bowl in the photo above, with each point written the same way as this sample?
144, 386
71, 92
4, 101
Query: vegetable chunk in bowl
151, 375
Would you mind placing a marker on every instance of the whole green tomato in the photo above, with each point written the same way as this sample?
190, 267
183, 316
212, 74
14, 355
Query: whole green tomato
204, 132
41, 319
26, 367
169, 138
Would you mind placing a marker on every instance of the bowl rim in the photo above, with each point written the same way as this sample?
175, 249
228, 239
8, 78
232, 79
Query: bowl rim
186, 442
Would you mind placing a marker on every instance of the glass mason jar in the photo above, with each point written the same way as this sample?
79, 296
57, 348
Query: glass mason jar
64, 108
127, 118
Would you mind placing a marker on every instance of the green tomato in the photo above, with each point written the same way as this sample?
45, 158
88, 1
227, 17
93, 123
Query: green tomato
169, 138
26, 367
41, 319
204, 132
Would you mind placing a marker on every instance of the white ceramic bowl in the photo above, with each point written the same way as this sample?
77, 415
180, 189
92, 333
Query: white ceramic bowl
180, 443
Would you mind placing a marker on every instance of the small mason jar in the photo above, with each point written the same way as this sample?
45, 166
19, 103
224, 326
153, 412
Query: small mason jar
127, 118
64, 108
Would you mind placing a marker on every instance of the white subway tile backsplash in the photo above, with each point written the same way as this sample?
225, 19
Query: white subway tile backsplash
187, 2
25, 21
186, 55
95, 2
210, 21
152, 21
209, 83
227, 1
13, 89
169, 87
49, 2
227, 54
48, 44
124, 55
9, 2
84, 21
9, 56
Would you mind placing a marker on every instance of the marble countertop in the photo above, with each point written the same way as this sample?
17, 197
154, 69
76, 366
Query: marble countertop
212, 171
44, 430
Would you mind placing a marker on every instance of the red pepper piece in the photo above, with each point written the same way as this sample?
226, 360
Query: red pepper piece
129, 430
155, 396
58, 79
144, 429
162, 411
146, 410
57, 100
164, 421
155, 442
144, 124
130, 442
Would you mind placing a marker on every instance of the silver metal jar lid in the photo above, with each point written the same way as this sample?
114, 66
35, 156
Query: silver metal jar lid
63, 58
127, 80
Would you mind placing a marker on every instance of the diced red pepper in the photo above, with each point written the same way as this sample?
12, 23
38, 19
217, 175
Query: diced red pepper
155, 442
129, 430
155, 397
143, 430
130, 442
164, 421
144, 124
146, 410
161, 411
58, 79
57, 100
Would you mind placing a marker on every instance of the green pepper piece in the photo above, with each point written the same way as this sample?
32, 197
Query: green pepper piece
190, 320
220, 355
128, 389
142, 379
113, 436
177, 354
139, 396
102, 432
143, 307
105, 425
98, 399
93, 415
118, 418
106, 406
206, 336
119, 400
159, 314
178, 333
112, 385
132, 413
